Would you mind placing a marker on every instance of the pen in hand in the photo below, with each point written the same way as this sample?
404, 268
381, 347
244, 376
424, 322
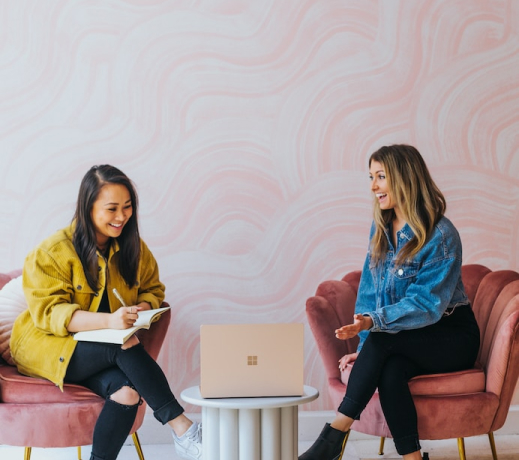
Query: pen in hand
119, 297
123, 303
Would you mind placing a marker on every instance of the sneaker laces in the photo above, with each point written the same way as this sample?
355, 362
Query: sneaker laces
195, 435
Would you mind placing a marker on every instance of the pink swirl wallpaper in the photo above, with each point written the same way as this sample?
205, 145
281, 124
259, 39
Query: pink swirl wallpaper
246, 127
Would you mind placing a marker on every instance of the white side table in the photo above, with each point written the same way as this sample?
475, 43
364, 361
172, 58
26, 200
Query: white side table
249, 428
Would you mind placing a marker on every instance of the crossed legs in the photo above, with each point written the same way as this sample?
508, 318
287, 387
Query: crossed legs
388, 361
123, 375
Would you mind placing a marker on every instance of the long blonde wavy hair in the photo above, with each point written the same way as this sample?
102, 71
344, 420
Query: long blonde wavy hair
414, 193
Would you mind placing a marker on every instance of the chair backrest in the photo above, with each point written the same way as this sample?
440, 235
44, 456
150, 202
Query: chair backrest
495, 301
6, 277
331, 307
489, 307
496, 307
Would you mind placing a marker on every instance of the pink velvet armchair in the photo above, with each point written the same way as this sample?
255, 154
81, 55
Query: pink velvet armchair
454, 405
35, 413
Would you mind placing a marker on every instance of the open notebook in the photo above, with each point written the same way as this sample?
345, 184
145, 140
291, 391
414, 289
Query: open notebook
120, 336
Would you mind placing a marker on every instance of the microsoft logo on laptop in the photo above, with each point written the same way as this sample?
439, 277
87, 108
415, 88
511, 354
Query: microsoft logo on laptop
252, 360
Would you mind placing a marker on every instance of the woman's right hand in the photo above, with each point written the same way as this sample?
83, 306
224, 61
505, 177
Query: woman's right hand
124, 317
360, 323
346, 359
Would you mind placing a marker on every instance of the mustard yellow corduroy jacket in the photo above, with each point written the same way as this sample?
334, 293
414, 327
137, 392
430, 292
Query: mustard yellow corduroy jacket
55, 286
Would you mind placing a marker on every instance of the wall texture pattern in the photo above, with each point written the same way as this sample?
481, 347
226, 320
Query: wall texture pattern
246, 126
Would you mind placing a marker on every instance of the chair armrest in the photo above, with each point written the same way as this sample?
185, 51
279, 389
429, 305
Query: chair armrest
331, 308
153, 338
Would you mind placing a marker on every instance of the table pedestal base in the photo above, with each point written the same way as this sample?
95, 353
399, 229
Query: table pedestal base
250, 434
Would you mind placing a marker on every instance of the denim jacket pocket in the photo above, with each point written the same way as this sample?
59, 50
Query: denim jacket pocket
402, 277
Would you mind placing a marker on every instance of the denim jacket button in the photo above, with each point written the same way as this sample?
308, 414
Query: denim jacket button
401, 272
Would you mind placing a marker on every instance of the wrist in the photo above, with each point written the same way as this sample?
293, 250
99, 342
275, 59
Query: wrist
368, 322
107, 319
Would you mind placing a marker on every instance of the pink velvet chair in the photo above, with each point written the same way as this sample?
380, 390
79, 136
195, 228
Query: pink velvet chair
453, 405
35, 413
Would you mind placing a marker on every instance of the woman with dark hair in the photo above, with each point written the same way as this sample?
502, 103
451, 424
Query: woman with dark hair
68, 281
412, 314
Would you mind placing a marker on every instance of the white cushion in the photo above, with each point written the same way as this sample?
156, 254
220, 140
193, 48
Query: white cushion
12, 303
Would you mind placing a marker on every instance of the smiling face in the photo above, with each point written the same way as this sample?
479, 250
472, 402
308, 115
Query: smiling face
380, 186
110, 212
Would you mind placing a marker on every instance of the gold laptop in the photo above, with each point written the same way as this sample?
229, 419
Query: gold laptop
249, 360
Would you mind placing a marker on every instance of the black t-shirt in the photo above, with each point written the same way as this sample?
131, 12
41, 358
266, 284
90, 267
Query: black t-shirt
104, 306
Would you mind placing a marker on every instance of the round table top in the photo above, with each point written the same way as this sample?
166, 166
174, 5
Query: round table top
192, 395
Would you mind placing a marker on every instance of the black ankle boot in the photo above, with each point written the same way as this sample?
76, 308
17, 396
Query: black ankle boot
328, 446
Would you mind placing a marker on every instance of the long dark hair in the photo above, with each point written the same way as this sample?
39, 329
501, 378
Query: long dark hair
84, 237
416, 195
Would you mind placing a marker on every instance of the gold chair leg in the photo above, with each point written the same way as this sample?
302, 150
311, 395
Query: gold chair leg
344, 445
381, 448
461, 448
78, 452
346, 437
27, 453
492, 445
138, 447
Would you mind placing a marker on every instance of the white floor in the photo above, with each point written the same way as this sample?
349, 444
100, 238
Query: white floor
477, 448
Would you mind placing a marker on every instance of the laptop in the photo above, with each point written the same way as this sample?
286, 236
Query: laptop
251, 360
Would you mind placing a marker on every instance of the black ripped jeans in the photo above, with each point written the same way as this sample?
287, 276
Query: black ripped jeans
105, 368
389, 361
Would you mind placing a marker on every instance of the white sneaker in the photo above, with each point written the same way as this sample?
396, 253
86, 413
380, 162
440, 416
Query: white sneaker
189, 445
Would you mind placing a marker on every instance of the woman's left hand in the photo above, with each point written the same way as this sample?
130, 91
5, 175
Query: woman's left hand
360, 323
144, 306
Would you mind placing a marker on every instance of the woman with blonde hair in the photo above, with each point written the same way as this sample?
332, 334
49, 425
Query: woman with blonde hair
412, 314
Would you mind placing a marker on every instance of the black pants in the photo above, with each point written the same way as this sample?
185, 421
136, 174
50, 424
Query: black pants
388, 361
105, 368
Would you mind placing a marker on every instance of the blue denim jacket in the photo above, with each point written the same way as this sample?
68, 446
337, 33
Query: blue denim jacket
416, 293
